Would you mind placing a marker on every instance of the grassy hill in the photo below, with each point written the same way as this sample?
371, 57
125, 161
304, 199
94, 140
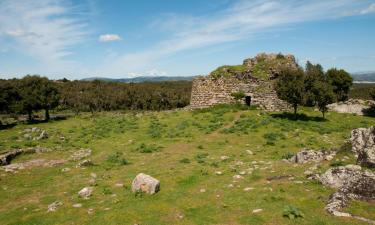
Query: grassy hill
185, 150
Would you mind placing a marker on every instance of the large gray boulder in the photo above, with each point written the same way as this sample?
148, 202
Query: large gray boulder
363, 144
352, 183
145, 183
306, 155
335, 177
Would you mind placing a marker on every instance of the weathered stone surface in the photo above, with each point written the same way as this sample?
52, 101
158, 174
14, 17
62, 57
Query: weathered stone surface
335, 177
43, 135
85, 163
210, 90
7, 157
53, 206
363, 144
86, 192
80, 154
32, 163
305, 156
355, 106
352, 183
145, 183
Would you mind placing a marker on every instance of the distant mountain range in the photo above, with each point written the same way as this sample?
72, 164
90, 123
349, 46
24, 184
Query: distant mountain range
364, 77
142, 79
359, 77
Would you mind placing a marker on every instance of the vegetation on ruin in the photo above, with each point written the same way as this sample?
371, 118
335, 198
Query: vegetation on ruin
184, 150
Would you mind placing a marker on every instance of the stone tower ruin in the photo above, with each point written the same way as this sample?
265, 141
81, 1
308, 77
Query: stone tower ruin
254, 78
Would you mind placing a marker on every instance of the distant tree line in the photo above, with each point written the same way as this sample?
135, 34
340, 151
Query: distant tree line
313, 86
34, 93
363, 91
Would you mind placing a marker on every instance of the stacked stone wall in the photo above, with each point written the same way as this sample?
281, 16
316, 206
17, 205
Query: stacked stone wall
209, 91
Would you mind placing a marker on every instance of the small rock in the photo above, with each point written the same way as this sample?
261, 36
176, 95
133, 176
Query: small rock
93, 175
53, 207
77, 205
248, 189
218, 173
202, 190
238, 176
43, 135
84, 163
65, 169
90, 211
257, 210
249, 152
224, 157
86, 192
119, 185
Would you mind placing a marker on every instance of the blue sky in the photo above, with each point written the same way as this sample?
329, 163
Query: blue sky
120, 38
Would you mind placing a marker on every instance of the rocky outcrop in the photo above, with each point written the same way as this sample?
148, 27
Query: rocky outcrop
363, 144
32, 163
306, 156
354, 106
145, 183
335, 177
7, 157
352, 183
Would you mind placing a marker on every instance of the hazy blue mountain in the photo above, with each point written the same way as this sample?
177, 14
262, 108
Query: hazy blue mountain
142, 79
364, 76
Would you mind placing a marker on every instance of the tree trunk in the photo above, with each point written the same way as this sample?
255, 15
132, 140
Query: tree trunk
30, 115
323, 111
46, 117
295, 111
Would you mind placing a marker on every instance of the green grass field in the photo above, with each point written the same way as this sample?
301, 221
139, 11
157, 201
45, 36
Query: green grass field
183, 149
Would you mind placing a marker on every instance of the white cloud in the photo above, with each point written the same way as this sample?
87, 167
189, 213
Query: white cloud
369, 9
242, 20
109, 37
155, 73
45, 30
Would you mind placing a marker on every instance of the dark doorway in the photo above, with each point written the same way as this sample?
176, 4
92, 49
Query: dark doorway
248, 100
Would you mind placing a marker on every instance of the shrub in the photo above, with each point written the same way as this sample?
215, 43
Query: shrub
337, 164
201, 157
185, 160
287, 155
116, 158
292, 212
143, 148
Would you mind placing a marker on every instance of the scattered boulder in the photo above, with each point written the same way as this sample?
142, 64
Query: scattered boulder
145, 183
80, 154
354, 106
43, 135
85, 163
77, 205
53, 206
306, 156
86, 192
363, 144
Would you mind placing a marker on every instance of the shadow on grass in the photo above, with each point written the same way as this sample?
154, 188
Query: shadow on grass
34, 121
7, 126
369, 112
299, 116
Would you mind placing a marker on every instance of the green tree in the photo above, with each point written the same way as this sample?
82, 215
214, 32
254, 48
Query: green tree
341, 82
290, 87
49, 96
8, 96
29, 89
313, 74
323, 94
